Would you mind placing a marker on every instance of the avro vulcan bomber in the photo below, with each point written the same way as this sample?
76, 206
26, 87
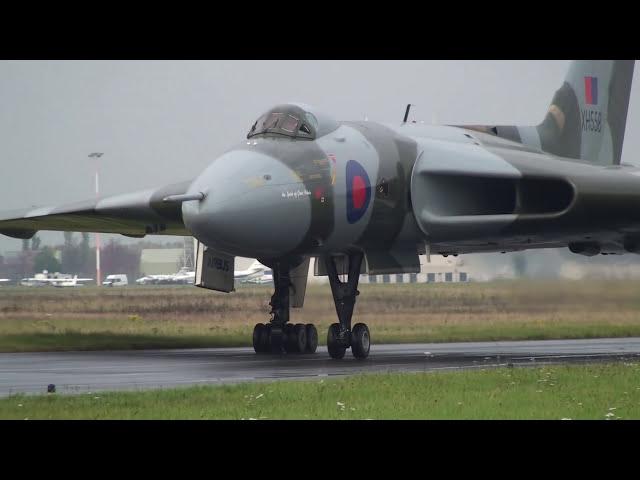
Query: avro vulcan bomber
368, 198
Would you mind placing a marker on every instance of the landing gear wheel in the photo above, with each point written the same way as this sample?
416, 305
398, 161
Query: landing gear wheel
336, 348
266, 339
312, 338
300, 338
289, 338
260, 338
360, 341
276, 339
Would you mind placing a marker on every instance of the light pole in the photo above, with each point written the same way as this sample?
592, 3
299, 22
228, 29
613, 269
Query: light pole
97, 155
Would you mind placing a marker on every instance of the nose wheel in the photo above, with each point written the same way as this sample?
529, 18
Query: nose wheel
360, 340
337, 341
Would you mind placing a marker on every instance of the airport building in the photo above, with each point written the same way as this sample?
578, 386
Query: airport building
438, 269
159, 261
434, 270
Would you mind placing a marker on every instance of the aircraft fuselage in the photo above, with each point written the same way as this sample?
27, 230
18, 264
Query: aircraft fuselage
271, 197
374, 187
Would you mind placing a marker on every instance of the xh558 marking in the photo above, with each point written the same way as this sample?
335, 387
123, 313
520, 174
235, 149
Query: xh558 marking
365, 197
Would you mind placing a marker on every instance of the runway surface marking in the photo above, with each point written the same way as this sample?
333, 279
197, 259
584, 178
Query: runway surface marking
81, 372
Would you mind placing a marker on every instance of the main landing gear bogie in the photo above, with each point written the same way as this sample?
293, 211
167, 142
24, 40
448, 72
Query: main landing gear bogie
297, 338
279, 336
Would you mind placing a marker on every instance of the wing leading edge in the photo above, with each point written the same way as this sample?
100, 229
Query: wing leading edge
133, 214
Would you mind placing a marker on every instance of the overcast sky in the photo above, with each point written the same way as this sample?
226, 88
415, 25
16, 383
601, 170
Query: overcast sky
163, 121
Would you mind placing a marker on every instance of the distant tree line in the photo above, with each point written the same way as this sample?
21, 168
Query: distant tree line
118, 258
76, 257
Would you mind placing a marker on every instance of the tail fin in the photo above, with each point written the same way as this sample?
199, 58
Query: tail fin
588, 114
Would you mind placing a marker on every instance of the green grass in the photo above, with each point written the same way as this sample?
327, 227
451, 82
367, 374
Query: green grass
78, 341
600, 392
41, 319
72, 340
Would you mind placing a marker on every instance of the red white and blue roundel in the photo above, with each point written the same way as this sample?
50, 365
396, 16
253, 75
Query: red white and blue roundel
358, 191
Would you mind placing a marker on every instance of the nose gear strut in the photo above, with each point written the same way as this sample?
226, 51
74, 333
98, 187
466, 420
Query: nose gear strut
340, 335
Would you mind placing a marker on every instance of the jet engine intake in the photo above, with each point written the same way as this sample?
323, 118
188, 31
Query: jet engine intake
462, 192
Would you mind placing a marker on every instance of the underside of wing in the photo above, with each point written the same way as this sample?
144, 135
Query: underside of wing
148, 212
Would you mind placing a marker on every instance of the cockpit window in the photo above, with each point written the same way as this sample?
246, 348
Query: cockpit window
279, 123
293, 121
272, 121
305, 129
259, 125
289, 124
312, 120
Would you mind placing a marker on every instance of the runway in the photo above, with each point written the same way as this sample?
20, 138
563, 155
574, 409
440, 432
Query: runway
80, 372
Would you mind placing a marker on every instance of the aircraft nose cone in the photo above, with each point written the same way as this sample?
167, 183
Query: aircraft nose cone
255, 206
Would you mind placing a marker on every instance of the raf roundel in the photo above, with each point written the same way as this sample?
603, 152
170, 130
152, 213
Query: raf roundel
358, 191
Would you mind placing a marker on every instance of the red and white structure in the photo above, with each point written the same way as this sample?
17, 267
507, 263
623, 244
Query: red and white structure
97, 156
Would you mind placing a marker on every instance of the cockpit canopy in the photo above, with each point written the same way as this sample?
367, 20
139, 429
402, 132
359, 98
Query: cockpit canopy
293, 120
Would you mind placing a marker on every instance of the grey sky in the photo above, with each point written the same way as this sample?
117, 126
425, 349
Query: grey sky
164, 121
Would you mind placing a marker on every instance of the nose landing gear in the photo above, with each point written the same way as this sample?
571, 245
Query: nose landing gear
340, 335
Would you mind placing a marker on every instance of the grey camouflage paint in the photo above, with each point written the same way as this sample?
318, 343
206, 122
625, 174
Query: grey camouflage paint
456, 189
575, 129
135, 214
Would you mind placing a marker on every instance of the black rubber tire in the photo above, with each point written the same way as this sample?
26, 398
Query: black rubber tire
288, 339
259, 332
334, 346
300, 337
312, 338
276, 340
360, 341
266, 338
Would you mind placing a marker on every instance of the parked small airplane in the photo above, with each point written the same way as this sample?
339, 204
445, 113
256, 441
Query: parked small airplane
116, 280
72, 282
263, 277
184, 276
57, 280
255, 270
153, 279
4, 280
